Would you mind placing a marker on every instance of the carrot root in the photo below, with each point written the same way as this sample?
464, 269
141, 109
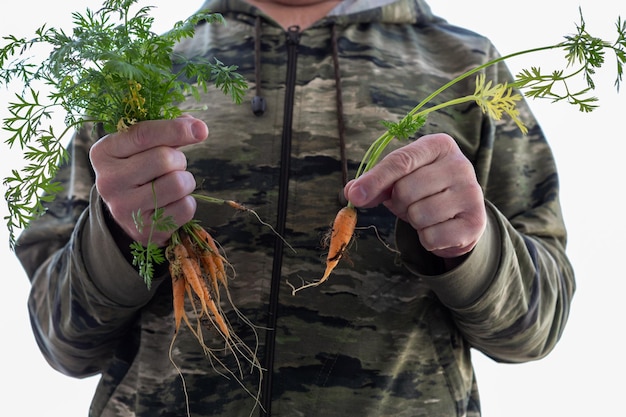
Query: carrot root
199, 276
178, 292
340, 237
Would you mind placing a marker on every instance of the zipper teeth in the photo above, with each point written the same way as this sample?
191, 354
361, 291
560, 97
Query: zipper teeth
293, 39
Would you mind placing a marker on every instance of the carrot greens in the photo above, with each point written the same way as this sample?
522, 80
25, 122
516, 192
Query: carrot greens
110, 69
584, 54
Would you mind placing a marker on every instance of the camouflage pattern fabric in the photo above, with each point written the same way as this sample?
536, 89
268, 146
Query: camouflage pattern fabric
390, 334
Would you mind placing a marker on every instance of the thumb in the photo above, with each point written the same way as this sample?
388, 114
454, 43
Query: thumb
363, 192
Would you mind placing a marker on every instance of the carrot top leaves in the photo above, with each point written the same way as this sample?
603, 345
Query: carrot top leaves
584, 54
110, 69
145, 258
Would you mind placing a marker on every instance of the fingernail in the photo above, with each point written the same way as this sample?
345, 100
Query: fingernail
198, 130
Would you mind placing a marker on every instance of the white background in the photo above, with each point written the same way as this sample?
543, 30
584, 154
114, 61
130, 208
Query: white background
583, 376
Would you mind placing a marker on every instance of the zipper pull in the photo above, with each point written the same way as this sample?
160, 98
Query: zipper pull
293, 35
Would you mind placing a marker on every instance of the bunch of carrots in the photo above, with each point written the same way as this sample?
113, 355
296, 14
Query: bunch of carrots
199, 276
198, 270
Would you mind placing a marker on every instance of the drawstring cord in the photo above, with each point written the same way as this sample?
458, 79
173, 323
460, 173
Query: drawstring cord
259, 104
341, 126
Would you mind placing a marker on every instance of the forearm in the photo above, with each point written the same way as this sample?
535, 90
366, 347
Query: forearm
83, 289
527, 302
84, 296
511, 296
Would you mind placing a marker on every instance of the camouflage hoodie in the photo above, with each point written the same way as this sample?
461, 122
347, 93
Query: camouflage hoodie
391, 333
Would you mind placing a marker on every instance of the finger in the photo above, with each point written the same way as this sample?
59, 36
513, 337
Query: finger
171, 187
374, 186
357, 193
170, 192
115, 177
155, 163
153, 133
421, 184
179, 212
435, 209
452, 238
165, 190
448, 223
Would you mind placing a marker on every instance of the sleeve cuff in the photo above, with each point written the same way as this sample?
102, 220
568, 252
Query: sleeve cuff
463, 285
106, 265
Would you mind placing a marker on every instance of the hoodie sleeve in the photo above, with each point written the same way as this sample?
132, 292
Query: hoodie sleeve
510, 297
84, 292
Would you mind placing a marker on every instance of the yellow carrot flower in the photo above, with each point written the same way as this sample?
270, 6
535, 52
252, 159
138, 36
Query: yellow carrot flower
498, 100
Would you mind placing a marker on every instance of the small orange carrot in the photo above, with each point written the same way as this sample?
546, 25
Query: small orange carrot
217, 315
210, 256
208, 264
341, 235
236, 205
212, 308
178, 293
189, 258
191, 253
339, 239
179, 288
190, 272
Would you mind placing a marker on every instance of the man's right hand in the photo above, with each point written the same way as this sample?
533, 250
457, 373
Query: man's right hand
127, 164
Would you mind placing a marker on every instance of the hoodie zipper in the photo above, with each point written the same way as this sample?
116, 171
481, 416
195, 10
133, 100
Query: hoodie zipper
292, 41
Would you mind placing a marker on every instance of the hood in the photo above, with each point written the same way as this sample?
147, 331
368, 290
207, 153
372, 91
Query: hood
348, 11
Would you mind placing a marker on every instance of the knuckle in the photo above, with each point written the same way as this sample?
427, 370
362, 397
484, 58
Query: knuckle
400, 162
404, 157
140, 135
428, 241
105, 186
439, 141
183, 181
182, 210
98, 150
189, 207
168, 159
164, 156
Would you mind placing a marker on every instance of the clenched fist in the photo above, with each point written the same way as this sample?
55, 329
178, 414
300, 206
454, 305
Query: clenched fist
129, 164
431, 185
